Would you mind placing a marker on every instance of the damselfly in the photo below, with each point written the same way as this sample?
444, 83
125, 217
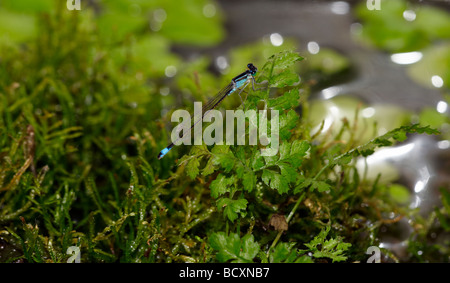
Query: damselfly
238, 82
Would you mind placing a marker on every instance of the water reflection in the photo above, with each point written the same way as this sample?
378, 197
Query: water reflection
313, 47
406, 58
412, 159
330, 92
414, 164
437, 81
388, 153
159, 16
340, 8
409, 15
276, 39
170, 71
222, 63
445, 144
328, 116
209, 10
423, 178
442, 107
368, 112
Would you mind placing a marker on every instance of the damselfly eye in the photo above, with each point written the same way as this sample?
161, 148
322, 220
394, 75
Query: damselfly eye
252, 68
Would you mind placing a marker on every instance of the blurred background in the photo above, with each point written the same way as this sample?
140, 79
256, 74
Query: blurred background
390, 58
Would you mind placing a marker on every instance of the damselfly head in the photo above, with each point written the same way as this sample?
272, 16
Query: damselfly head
252, 68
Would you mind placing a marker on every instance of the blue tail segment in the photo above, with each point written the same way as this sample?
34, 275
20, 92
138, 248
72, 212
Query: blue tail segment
165, 151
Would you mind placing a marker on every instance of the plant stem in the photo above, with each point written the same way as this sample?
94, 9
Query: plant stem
291, 214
